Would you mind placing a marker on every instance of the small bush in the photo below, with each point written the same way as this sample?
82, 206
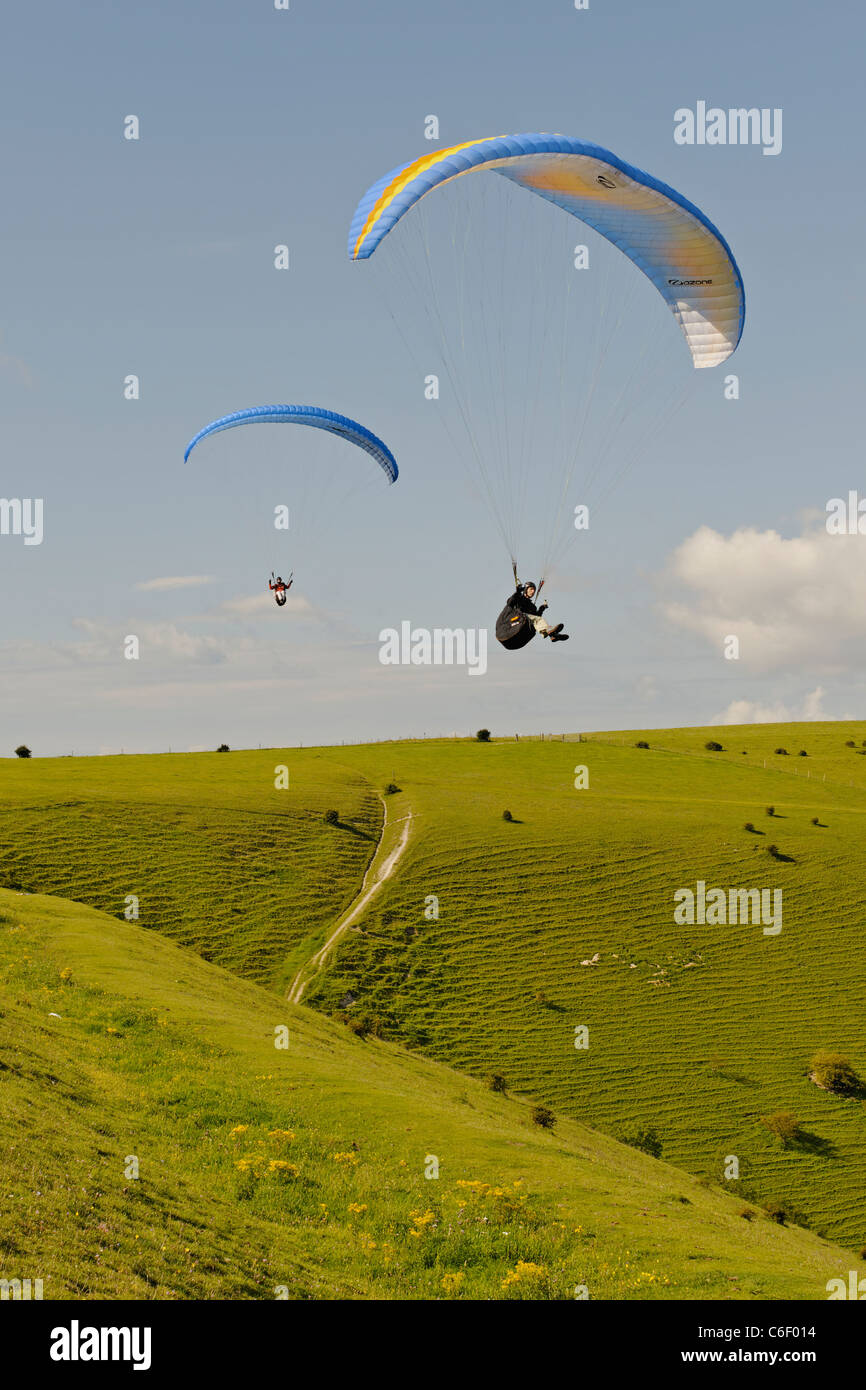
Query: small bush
543, 1117
802, 753
495, 1082
483, 736
815, 821
747, 1213
782, 752
22, 751
646, 1139
849, 743
834, 1072
642, 743
331, 818
391, 789
506, 815
713, 747
224, 748
751, 829
771, 810
776, 1212
784, 1125
774, 851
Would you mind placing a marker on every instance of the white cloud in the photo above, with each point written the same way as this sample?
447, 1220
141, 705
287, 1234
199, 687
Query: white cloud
791, 602
183, 581
104, 643
753, 712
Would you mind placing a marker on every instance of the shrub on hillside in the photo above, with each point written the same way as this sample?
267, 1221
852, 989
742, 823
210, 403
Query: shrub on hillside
713, 747
834, 1072
802, 753
776, 1212
771, 810
751, 829
22, 751
483, 736
224, 748
391, 789
543, 1117
642, 743
362, 1025
332, 818
496, 1082
506, 815
849, 743
646, 1139
782, 752
815, 820
784, 1125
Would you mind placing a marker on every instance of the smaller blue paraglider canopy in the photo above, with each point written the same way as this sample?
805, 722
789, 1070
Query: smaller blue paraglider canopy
305, 415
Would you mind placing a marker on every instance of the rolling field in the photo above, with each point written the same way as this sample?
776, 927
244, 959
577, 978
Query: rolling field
562, 918
156, 1143
220, 860
694, 1030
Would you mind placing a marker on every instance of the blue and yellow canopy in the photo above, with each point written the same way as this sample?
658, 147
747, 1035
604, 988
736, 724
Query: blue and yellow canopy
667, 237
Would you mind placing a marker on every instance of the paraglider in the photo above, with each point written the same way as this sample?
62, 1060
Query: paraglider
327, 420
505, 259
521, 619
280, 588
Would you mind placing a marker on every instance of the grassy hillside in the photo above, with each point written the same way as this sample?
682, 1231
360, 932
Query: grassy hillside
220, 860
303, 1169
697, 1031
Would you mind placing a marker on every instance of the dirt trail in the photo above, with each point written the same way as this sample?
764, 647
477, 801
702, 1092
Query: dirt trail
380, 868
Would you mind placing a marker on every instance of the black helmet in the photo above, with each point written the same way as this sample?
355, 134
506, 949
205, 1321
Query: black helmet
529, 584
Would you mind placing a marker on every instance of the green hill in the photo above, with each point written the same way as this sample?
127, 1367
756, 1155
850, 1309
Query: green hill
697, 1031
219, 858
561, 918
156, 1143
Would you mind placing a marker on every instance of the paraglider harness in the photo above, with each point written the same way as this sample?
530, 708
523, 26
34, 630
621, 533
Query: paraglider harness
281, 590
513, 628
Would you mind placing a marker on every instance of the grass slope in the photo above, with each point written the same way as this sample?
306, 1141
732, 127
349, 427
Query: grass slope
301, 1171
697, 1031
220, 860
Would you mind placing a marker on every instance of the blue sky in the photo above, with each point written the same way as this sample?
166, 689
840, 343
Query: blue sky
155, 257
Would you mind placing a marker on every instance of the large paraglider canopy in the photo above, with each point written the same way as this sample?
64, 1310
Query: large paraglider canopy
673, 243
557, 366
